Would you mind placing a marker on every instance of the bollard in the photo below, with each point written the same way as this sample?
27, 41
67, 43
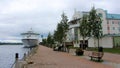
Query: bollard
28, 54
24, 56
16, 56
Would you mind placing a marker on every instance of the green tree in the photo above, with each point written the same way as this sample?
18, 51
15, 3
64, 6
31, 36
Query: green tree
65, 26
62, 28
50, 40
95, 25
58, 34
44, 41
84, 27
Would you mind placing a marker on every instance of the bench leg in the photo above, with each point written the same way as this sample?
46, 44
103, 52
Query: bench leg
91, 57
99, 59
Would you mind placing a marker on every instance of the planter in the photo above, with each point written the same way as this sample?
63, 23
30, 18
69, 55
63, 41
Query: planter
79, 52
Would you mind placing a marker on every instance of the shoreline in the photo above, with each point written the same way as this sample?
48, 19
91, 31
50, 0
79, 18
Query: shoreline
21, 63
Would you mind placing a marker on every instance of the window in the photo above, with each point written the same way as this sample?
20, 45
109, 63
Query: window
118, 23
107, 22
108, 28
76, 33
119, 29
112, 22
113, 28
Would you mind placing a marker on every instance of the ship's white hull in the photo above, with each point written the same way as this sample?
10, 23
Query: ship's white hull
30, 42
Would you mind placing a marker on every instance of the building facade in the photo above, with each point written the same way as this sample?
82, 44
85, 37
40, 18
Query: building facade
110, 27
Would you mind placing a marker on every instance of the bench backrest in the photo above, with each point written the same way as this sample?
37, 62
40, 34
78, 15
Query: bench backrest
99, 54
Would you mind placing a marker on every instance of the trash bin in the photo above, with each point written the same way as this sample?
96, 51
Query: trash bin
100, 49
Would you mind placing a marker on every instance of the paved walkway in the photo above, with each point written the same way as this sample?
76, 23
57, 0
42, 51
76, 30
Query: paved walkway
47, 58
112, 59
108, 58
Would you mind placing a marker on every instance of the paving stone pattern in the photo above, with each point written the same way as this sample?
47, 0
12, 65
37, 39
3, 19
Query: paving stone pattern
47, 58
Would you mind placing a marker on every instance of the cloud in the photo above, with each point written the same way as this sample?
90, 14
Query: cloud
17, 16
17, 6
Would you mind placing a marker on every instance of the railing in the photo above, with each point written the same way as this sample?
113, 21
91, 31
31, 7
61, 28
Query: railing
19, 63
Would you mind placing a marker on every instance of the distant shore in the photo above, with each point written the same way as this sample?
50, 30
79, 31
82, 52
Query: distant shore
11, 43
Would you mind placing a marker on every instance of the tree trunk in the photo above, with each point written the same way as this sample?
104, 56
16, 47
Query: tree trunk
98, 43
95, 43
83, 45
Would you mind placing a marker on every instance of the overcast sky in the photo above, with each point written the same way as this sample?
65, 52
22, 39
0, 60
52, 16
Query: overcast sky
17, 16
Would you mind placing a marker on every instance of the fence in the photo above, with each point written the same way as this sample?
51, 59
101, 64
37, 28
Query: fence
20, 63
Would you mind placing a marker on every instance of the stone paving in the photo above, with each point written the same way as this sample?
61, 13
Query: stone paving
47, 58
108, 58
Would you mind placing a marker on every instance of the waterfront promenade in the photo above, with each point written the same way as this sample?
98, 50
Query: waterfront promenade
47, 58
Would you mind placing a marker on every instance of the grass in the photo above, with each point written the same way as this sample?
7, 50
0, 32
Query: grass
112, 50
109, 50
71, 47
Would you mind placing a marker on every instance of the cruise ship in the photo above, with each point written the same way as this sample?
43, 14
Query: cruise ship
30, 39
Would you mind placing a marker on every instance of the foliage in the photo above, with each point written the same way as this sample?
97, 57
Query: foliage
84, 27
90, 25
64, 23
50, 40
62, 27
95, 25
58, 35
44, 41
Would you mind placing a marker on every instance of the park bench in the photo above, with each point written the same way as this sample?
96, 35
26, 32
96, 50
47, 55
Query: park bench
96, 55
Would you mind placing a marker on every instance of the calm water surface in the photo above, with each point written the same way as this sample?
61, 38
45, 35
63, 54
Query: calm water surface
7, 54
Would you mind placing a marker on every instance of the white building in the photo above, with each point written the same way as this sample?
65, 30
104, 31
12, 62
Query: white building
110, 28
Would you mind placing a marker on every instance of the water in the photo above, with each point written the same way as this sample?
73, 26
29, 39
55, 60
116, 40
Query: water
7, 54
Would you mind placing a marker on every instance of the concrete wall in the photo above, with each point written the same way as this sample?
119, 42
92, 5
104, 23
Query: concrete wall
106, 42
104, 21
91, 42
114, 24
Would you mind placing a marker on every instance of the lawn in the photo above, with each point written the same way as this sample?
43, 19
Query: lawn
110, 50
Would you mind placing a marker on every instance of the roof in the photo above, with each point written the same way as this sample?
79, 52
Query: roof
113, 16
29, 32
74, 21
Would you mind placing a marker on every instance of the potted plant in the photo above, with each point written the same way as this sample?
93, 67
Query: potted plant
79, 51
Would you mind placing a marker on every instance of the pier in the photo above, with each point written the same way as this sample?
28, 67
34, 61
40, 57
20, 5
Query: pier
21, 63
45, 57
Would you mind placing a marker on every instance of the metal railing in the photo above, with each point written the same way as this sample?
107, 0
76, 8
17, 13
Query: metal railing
19, 63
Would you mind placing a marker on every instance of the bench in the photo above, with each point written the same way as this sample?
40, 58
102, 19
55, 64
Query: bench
97, 55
